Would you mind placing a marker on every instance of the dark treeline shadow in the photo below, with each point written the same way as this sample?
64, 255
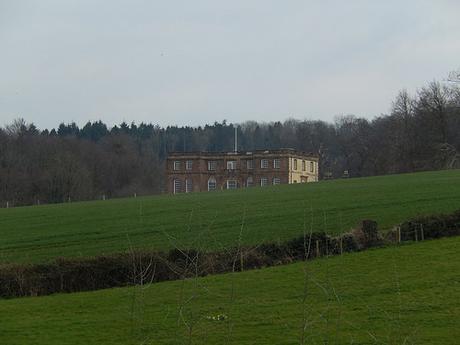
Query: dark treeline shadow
93, 162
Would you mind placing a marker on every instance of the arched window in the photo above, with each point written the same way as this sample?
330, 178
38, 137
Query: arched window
212, 183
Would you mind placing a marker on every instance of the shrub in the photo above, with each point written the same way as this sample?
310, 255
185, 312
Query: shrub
434, 226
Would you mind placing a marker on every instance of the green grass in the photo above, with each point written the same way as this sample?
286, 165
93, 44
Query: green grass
396, 295
41, 233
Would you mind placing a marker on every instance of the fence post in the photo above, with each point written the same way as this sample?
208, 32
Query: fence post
399, 234
341, 245
416, 235
7, 204
317, 248
421, 232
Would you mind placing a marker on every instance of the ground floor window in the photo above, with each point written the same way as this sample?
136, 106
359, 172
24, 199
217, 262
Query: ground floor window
177, 186
188, 185
264, 181
212, 184
232, 184
250, 182
276, 180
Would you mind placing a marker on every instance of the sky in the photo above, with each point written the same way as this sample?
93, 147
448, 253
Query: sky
197, 62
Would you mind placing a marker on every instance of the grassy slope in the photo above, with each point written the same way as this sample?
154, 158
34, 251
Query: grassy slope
408, 294
213, 219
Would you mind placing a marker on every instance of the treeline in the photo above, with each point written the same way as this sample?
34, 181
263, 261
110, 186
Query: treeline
71, 163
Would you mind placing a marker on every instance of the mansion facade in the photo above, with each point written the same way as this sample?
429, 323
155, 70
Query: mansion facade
208, 171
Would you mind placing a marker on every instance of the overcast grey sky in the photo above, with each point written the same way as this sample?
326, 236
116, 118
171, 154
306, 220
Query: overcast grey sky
196, 62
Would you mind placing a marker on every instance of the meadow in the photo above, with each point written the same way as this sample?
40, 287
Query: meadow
220, 219
406, 294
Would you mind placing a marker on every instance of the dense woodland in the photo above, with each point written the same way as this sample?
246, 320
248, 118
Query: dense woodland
69, 163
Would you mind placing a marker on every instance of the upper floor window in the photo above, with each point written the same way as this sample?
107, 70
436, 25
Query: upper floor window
188, 185
304, 166
177, 186
250, 164
276, 180
176, 165
264, 181
231, 165
276, 163
212, 184
264, 163
250, 182
295, 164
212, 165
232, 184
188, 165
312, 167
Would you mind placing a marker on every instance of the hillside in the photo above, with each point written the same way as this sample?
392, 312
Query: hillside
408, 294
214, 220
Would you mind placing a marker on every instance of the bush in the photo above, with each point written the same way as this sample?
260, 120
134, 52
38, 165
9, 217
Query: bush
429, 227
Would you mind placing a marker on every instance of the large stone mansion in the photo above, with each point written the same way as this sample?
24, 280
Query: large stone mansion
207, 171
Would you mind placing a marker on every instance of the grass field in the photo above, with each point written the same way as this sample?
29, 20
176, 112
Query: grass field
396, 295
213, 220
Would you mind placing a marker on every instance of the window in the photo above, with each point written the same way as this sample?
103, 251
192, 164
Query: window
312, 167
264, 181
212, 165
303, 166
231, 165
188, 165
177, 185
212, 183
264, 163
176, 165
276, 163
250, 164
276, 180
232, 184
250, 182
295, 164
188, 186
